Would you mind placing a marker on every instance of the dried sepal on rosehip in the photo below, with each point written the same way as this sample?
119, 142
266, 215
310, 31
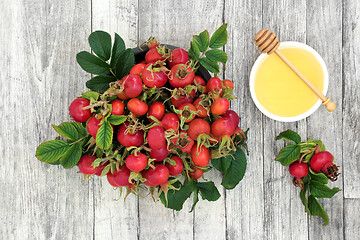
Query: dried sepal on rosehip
223, 128
155, 74
323, 162
181, 75
186, 113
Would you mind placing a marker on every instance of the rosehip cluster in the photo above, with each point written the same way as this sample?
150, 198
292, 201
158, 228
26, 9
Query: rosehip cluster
321, 162
173, 119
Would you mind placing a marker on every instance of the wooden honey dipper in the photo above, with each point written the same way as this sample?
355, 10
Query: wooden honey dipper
267, 42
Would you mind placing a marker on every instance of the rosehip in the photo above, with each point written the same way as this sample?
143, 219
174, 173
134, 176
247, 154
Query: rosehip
177, 168
299, 170
93, 126
196, 173
86, 164
137, 162
154, 76
118, 107
77, 112
200, 157
222, 127
170, 121
159, 154
220, 106
187, 113
132, 85
157, 176
323, 162
121, 176
156, 137
137, 69
198, 126
181, 75
130, 139
233, 116
200, 80
137, 107
183, 142
110, 178
179, 56
226, 83
214, 86
157, 110
202, 112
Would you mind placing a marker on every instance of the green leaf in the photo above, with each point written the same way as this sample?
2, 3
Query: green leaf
202, 41
100, 83
236, 170
67, 130
194, 51
196, 199
116, 119
104, 136
105, 170
57, 162
92, 64
303, 197
216, 55
320, 190
118, 48
320, 177
222, 164
72, 156
317, 210
80, 129
91, 95
289, 135
176, 198
208, 191
210, 65
51, 151
318, 142
219, 38
124, 63
288, 154
100, 43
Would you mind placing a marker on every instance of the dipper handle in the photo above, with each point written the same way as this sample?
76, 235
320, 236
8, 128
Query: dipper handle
267, 42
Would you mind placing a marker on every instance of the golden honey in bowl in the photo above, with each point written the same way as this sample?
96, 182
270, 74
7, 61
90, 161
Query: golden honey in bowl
279, 90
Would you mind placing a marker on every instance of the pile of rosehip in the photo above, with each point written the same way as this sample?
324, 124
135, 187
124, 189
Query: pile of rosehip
175, 122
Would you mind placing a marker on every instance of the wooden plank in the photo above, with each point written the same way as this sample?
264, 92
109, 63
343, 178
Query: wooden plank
285, 217
351, 100
39, 77
245, 203
351, 218
322, 124
174, 22
120, 17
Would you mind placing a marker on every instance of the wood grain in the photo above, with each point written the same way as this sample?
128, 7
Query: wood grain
115, 217
285, 217
351, 219
40, 77
244, 205
324, 125
351, 99
174, 22
39, 40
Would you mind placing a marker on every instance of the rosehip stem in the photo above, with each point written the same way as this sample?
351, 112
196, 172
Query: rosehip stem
79, 140
112, 72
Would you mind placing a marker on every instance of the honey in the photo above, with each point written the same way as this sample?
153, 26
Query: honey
280, 91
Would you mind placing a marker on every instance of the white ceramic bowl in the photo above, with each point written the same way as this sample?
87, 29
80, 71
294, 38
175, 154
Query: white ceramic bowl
256, 66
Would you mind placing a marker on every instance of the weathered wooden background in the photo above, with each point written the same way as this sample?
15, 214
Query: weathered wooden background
40, 77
